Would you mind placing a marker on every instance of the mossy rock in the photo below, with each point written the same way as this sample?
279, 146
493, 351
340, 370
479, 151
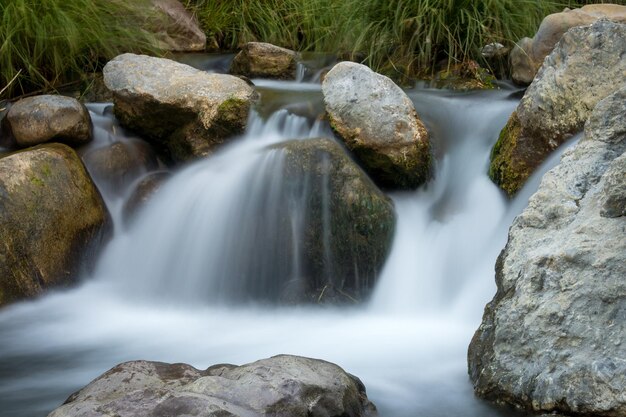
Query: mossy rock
52, 218
348, 226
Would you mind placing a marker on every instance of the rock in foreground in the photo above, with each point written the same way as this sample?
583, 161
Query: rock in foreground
48, 118
552, 339
586, 66
51, 215
378, 122
184, 112
281, 386
264, 60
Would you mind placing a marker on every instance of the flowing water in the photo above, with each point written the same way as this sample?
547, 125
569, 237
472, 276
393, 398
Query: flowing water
165, 289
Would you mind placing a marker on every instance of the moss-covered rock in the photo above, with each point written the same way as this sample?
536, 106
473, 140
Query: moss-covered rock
51, 218
348, 225
184, 112
379, 124
586, 66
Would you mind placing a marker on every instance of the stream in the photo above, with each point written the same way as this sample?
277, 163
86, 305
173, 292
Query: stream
160, 290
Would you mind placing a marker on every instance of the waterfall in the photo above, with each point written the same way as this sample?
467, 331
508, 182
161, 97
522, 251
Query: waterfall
159, 289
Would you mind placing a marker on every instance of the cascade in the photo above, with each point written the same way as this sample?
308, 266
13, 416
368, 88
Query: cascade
167, 286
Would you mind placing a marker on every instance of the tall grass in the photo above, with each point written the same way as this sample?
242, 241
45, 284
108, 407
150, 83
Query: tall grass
44, 43
399, 37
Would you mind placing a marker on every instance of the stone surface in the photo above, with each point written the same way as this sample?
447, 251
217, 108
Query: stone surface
143, 192
184, 112
51, 218
113, 166
587, 65
552, 339
379, 124
348, 225
529, 54
48, 118
281, 386
264, 60
176, 28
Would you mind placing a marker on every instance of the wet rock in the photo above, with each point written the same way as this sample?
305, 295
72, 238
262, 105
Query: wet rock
264, 60
142, 192
281, 386
114, 166
552, 339
464, 76
184, 112
51, 218
48, 118
176, 28
349, 223
586, 66
528, 54
378, 123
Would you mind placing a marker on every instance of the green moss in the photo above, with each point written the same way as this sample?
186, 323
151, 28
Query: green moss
505, 170
37, 181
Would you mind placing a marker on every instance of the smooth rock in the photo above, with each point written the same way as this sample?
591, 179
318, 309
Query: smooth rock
184, 112
528, 55
176, 28
379, 124
348, 227
264, 60
51, 219
48, 118
281, 386
143, 192
552, 339
586, 66
114, 166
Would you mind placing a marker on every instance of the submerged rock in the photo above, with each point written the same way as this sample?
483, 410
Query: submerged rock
281, 386
348, 225
51, 218
143, 192
264, 60
552, 339
528, 55
184, 112
176, 28
378, 122
48, 118
587, 65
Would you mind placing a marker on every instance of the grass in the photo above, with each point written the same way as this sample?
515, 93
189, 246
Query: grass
45, 43
396, 37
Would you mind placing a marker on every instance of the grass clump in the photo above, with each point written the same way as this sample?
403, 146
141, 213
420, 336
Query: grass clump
397, 37
44, 43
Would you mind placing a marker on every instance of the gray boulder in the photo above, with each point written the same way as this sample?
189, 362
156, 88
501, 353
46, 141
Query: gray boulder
48, 118
348, 222
552, 339
51, 219
264, 60
586, 66
281, 386
176, 28
378, 123
528, 54
184, 112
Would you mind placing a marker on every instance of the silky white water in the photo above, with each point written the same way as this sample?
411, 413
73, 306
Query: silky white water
161, 289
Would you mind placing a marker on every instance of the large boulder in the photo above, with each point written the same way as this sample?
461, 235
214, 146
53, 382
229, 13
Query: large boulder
281, 386
379, 124
176, 28
48, 118
586, 66
51, 218
552, 339
347, 222
528, 54
264, 60
184, 112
